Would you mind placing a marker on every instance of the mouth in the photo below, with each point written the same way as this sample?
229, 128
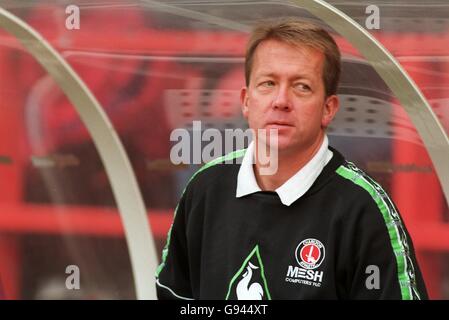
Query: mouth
279, 124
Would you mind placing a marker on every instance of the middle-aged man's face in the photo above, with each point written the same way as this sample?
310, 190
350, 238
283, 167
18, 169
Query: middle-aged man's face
286, 92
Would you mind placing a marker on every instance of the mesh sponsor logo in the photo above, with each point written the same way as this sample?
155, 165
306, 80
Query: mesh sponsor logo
303, 276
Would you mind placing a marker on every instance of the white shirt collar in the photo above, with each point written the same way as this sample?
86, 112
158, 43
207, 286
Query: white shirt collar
294, 187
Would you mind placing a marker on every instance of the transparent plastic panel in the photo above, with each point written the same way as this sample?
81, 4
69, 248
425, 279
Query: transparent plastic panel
61, 236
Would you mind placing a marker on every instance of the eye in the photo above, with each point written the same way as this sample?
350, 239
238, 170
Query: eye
268, 83
302, 87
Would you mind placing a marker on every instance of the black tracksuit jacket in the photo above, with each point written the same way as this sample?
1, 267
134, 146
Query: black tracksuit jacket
343, 239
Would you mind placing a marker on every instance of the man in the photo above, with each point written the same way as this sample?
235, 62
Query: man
319, 227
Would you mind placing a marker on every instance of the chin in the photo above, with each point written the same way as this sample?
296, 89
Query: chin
281, 144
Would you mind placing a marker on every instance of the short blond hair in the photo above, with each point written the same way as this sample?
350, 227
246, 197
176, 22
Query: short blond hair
298, 32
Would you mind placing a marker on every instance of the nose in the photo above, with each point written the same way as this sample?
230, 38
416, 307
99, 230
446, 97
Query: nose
282, 100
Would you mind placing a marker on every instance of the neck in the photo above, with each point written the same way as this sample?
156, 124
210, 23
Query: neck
288, 164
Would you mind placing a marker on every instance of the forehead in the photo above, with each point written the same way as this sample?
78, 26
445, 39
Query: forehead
273, 56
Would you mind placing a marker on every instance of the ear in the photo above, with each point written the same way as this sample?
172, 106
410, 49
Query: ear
331, 107
244, 101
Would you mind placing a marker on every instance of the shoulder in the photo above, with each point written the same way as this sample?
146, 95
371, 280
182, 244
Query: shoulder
371, 204
222, 169
348, 182
361, 199
361, 185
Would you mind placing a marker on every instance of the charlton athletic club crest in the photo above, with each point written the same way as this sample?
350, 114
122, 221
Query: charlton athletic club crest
310, 253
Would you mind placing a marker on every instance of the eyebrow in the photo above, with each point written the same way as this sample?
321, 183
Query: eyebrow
273, 75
